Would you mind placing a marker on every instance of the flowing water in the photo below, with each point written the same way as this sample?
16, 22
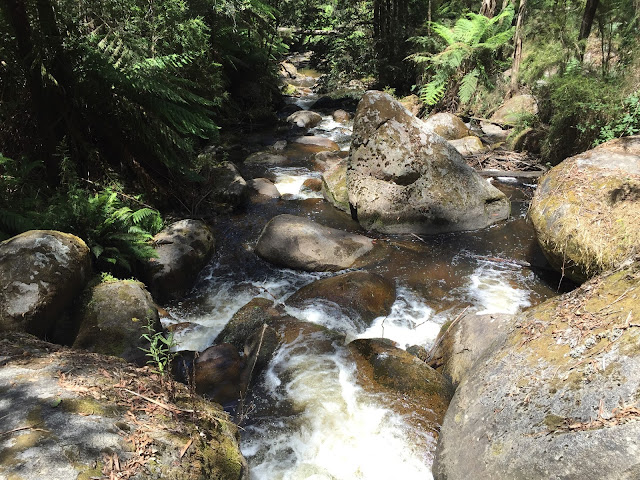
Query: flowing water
306, 417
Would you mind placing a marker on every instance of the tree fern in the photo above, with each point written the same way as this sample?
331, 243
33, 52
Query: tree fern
458, 68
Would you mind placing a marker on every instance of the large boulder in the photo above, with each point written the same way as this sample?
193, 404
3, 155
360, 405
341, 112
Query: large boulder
557, 399
41, 273
463, 341
334, 186
469, 145
218, 373
305, 118
405, 384
447, 125
512, 111
70, 415
113, 319
299, 243
183, 248
264, 188
362, 295
586, 210
403, 178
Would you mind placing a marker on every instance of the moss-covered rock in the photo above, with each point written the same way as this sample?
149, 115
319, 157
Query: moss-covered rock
586, 211
557, 398
69, 415
334, 186
42, 272
184, 248
512, 111
113, 319
404, 178
460, 344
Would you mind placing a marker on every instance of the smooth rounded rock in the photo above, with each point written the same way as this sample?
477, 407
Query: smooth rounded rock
264, 187
320, 142
266, 158
299, 243
515, 108
113, 319
341, 116
586, 210
447, 125
42, 272
469, 145
305, 118
183, 248
557, 398
361, 294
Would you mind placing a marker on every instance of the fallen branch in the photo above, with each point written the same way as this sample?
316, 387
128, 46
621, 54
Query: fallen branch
511, 173
159, 404
19, 429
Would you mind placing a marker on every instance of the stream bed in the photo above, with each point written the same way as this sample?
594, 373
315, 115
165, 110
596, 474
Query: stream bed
306, 417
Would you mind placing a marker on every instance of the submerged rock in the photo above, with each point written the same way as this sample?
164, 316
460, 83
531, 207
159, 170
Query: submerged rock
362, 295
447, 125
266, 158
183, 248
299, 243
556, 399
76, 415
460, 344
403, 178
113, 319
586, 210
42, 272
405, 384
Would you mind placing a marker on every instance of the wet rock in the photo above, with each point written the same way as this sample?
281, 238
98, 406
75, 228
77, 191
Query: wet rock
585, 210
218, 373
403, 178
469, 145
287, 110
248, 320
554, 400
409, 386
515, 108
113, 319
322, 142
183, 248
305, 119
41, 273
460, 344
341, 116
447, 125
266, 158
264, 187
79, 425
299, 243
312, 185
334, 186
361, 294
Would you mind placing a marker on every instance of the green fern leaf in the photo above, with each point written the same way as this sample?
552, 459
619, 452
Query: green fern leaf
468, 85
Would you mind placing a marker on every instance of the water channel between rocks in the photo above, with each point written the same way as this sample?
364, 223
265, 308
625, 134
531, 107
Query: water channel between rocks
306, 417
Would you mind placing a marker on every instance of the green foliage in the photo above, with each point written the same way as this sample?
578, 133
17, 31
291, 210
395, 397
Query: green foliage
160, 350
626, 120
468, 57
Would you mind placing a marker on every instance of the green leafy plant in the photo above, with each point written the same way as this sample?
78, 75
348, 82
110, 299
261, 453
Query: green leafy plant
626, 121
469, 56
160, 352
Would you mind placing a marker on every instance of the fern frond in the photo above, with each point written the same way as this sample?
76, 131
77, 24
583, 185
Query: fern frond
468, 85
432, 92
443, 32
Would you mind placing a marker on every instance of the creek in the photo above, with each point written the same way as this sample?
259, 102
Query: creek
306, 417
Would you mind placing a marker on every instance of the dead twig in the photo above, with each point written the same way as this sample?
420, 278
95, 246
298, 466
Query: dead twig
159, 404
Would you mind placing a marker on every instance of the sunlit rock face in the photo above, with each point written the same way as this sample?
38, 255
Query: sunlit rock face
403, 178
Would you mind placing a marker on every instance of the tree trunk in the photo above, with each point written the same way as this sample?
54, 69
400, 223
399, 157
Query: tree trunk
517, 51
488, 8
585, 27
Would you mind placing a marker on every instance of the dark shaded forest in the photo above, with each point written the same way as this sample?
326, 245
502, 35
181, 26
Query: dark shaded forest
105, 106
